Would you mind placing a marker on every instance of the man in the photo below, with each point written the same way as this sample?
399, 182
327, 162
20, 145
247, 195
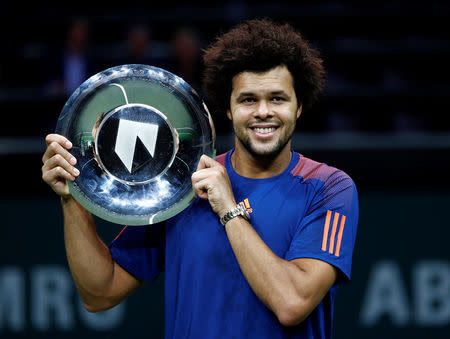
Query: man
272, 269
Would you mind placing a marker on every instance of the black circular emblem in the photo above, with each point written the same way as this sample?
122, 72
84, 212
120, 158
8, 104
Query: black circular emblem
135, 143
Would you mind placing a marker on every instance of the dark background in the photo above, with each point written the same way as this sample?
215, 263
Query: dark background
383, 118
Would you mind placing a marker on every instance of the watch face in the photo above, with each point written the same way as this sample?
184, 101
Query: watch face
138, 133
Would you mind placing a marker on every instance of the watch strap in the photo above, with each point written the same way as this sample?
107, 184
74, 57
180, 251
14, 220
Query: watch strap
236, 211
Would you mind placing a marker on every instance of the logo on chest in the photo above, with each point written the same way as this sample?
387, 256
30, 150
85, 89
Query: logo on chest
246, 205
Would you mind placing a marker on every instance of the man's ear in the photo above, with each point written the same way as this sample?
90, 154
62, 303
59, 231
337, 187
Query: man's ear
299, 110
229, 115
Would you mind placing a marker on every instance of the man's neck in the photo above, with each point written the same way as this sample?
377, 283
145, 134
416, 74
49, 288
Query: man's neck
251, 166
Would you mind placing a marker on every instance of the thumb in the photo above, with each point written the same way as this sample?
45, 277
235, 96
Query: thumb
205, 162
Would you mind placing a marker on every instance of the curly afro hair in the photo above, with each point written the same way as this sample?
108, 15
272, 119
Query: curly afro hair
258, 45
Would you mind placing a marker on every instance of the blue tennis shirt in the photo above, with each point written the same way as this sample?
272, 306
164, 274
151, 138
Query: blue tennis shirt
308, 211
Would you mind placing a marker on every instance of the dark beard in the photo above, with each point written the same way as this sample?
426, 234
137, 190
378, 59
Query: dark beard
269, 156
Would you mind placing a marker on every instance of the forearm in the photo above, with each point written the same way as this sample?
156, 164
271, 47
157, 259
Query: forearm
101, 282
89, 259
279, 284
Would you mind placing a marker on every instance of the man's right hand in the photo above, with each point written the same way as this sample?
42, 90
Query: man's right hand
59, 164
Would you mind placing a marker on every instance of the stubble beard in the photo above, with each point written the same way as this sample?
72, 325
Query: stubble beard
266, 152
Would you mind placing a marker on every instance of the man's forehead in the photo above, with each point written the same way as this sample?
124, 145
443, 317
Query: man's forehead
274, 80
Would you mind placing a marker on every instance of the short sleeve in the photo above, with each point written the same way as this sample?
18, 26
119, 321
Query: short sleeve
140, 250
328, 230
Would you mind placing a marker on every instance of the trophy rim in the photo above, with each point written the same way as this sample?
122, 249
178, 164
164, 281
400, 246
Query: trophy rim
195, 108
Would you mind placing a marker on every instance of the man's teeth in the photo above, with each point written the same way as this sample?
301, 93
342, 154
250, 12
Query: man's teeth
264, 130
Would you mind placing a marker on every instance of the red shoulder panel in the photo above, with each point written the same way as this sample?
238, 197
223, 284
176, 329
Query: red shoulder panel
310, 169
221, 158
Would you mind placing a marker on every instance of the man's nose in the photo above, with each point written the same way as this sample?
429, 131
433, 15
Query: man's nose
262, 109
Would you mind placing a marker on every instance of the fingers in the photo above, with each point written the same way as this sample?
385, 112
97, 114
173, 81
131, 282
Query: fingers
211, 182
56, 174
198, 179
201, 189
58, 144
58, 163
206, 162
208, 168
59, 139
57, 178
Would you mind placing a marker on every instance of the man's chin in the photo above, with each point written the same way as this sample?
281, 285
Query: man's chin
264, 152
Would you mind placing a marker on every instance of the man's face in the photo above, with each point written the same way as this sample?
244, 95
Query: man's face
264, 110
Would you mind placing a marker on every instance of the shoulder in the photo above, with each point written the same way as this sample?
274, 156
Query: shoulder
333, 188
310, 171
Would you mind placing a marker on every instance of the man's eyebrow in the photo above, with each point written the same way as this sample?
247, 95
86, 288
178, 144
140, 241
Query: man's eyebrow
250, 94
280, 92
245, 94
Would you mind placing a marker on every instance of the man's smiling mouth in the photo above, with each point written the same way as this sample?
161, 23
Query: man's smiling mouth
264, 130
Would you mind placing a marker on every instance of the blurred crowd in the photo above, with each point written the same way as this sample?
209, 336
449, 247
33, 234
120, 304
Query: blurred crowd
76, 61
386, 70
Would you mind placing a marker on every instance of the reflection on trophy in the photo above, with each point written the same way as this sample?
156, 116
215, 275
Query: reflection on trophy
138, 133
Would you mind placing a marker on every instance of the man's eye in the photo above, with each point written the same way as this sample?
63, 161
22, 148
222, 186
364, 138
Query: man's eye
248, 100
277, 99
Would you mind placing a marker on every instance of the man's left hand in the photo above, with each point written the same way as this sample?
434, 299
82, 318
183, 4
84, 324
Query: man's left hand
211, 182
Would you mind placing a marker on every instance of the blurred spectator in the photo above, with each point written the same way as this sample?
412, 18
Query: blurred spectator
74, 65
140, 48
186, 58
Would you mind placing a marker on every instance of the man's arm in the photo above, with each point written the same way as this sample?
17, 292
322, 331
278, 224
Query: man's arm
291, 289
101, 282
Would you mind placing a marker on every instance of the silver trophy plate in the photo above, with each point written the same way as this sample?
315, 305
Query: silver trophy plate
138, 133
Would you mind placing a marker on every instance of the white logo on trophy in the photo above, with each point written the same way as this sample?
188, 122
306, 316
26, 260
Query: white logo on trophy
127, 135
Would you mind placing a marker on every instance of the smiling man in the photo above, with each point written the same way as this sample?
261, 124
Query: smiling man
264, 110
261, 251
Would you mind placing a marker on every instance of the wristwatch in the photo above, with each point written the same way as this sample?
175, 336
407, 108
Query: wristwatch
236, 211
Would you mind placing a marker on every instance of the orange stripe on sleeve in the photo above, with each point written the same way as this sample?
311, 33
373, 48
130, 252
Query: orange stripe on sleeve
325, 231
333, 231
246, 203
341, 231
